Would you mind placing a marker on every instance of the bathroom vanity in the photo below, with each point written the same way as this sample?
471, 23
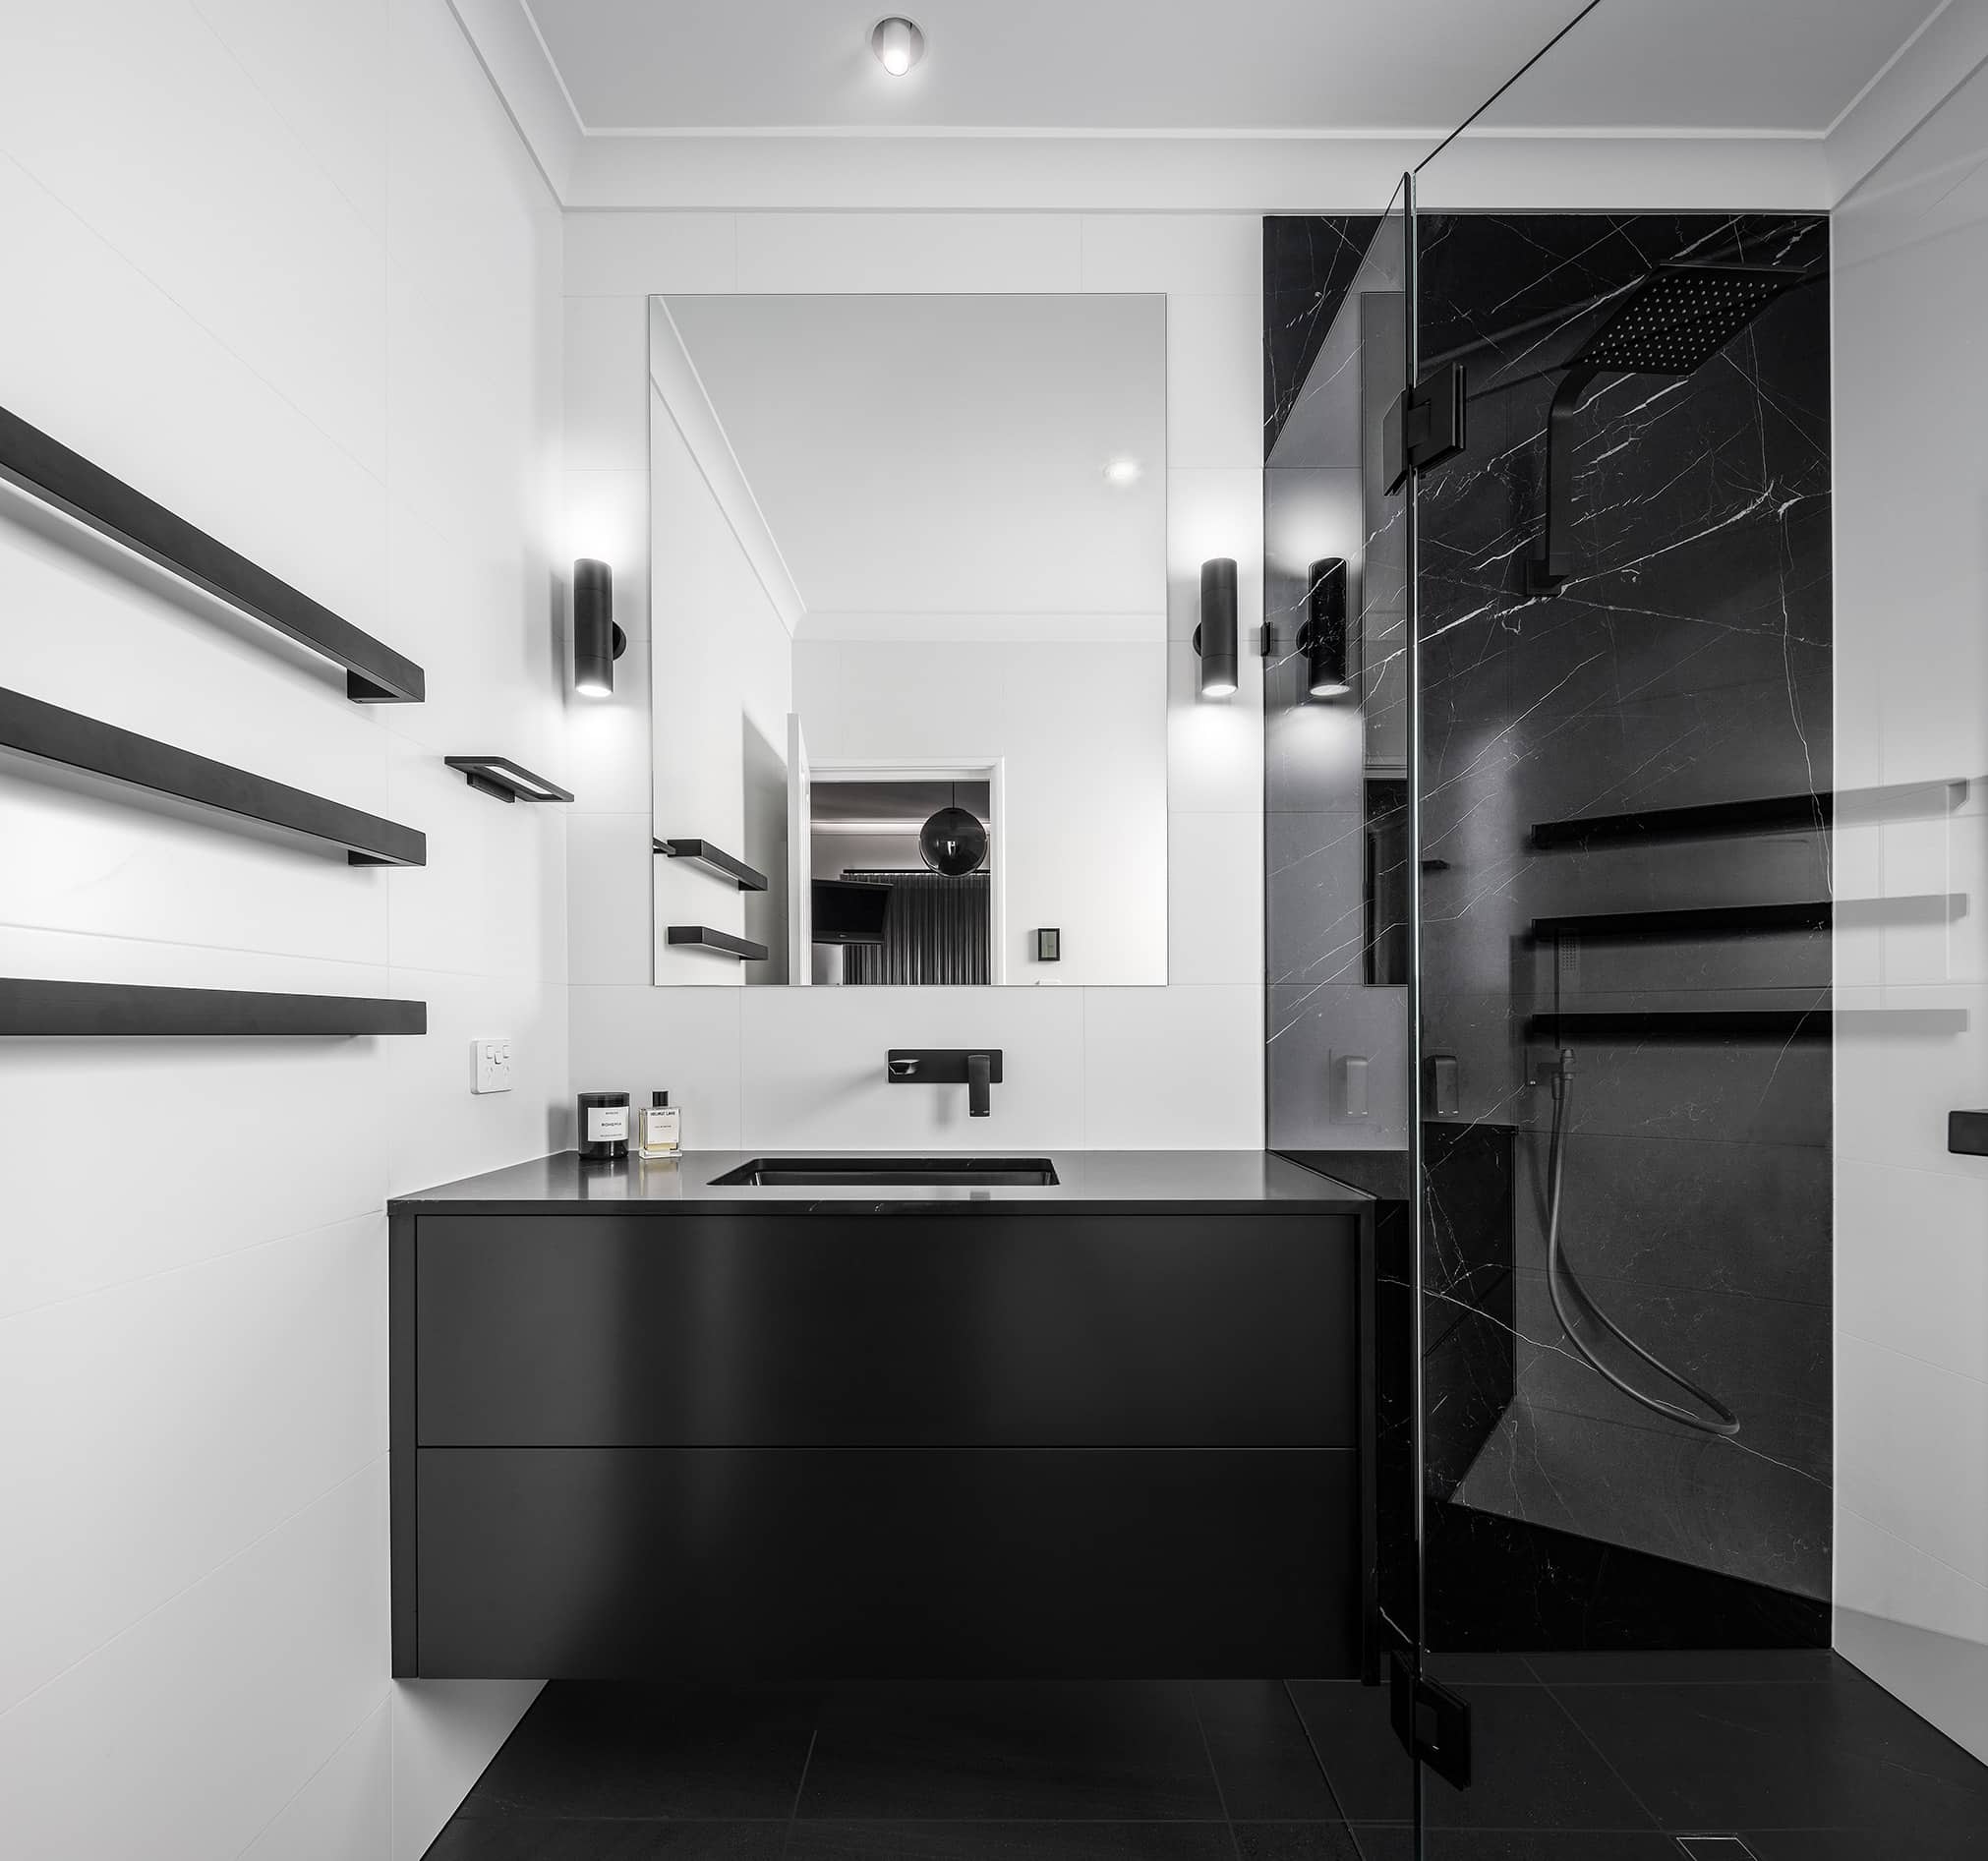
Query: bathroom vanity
1107, 1424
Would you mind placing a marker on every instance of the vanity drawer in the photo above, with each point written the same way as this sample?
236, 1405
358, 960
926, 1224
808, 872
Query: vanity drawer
800, 1330
869, 1564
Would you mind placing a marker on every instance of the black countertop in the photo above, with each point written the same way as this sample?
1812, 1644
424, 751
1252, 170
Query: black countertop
1124, 1182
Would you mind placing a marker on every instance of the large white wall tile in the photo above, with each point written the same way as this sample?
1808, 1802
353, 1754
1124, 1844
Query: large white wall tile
1215, 899
638, 1040
187, 1734
910, 252
607, 405
285, 268
346, 1810
812, 1067
1178, 1069
272, 1359
636, 254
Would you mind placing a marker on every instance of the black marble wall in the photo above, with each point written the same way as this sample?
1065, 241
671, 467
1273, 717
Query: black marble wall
1687, 661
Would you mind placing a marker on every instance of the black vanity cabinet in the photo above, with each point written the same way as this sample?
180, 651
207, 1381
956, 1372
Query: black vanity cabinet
874, 1439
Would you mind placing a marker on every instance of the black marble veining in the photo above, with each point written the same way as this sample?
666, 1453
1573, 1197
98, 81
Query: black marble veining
1686, 662
1309, 262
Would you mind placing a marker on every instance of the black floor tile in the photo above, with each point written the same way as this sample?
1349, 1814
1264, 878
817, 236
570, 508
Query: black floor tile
1295, 1842
1484, 1670
525, 1838
1864, 1845
1010, 1842
1759, 1666
1786, 1756
1106, 1752
1264, 1761
1515, 1845
1532, 1768
589, 1749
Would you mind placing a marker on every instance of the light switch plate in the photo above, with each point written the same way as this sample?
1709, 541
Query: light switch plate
492, 1066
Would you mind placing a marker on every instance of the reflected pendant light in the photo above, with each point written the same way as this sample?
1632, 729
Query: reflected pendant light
954, 842
597, 641
1323, 637
1215, 637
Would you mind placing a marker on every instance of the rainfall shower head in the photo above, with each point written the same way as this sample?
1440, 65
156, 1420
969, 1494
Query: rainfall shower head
1680, 317
1671, 323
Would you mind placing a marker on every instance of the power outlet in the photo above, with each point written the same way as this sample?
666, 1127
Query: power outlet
492, 1066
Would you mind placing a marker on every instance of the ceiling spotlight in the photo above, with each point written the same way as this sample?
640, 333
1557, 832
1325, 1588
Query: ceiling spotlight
1123, 471
897, 44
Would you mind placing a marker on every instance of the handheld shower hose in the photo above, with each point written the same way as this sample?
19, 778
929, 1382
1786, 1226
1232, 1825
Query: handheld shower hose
1559, 1268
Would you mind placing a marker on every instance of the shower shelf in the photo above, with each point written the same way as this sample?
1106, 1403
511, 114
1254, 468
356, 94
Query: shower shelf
721, 942
703, 854
1766, 814
1701, 1023
1717, 920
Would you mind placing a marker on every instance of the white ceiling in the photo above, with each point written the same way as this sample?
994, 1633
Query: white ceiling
1253, 66
930, 465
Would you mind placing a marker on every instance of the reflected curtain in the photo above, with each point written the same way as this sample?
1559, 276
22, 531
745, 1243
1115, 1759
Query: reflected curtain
935, 930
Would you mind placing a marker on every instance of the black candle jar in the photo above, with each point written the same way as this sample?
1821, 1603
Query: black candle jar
604, 1125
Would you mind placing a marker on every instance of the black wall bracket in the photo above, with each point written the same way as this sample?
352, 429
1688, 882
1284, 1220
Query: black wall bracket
1432, 1722
375, 673
1425, 426
1967, 1134
721, 942
704, 852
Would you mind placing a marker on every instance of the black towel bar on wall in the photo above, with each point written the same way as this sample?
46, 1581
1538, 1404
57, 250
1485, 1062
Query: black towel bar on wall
723, 943
33, 1008
52, 735
703, 854
375, 673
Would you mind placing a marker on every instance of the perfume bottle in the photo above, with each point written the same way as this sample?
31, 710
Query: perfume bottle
662, 1134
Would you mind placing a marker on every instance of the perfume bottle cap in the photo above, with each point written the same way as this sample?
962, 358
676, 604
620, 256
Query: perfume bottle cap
659, 1098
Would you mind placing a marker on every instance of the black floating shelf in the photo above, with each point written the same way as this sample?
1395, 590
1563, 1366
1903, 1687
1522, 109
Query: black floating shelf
1967, 1134
51, 735
1768, 814
1706, 1023
703, 854
118, 1009
721, 942
1717, 920
505, 780
375, 673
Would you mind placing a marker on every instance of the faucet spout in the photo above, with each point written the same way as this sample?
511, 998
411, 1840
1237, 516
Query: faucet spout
979, 1085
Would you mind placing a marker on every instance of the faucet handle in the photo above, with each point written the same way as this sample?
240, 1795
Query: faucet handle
902, 1068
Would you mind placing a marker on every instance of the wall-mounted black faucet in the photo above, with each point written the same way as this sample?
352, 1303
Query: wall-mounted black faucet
978, 1069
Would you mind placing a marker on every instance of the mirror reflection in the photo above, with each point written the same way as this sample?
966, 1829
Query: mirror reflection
908, 639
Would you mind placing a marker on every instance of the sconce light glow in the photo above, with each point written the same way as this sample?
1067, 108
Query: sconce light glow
897, 44
1215, 637
597, 641
1123, 471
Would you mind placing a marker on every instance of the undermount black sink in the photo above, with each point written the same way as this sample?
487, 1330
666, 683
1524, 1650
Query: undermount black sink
884, 1171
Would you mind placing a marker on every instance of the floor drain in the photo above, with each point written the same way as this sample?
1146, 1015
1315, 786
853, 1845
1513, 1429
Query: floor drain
1715, 1848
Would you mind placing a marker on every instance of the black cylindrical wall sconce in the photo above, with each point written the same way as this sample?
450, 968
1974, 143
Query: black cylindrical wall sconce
597, 641
1323, 637
1215, 637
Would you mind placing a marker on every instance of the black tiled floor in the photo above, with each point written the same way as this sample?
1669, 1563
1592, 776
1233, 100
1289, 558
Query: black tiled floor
604, 1750
1837, 1754
1531, 1766
1795, 1752
522, 1838
1010, 1842
1114, 1751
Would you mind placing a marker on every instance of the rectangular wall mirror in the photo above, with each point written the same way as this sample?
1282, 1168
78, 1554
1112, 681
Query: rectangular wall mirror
908, 625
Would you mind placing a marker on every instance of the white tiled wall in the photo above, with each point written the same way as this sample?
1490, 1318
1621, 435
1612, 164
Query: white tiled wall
1092, 1067
1911, 665
286, 268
